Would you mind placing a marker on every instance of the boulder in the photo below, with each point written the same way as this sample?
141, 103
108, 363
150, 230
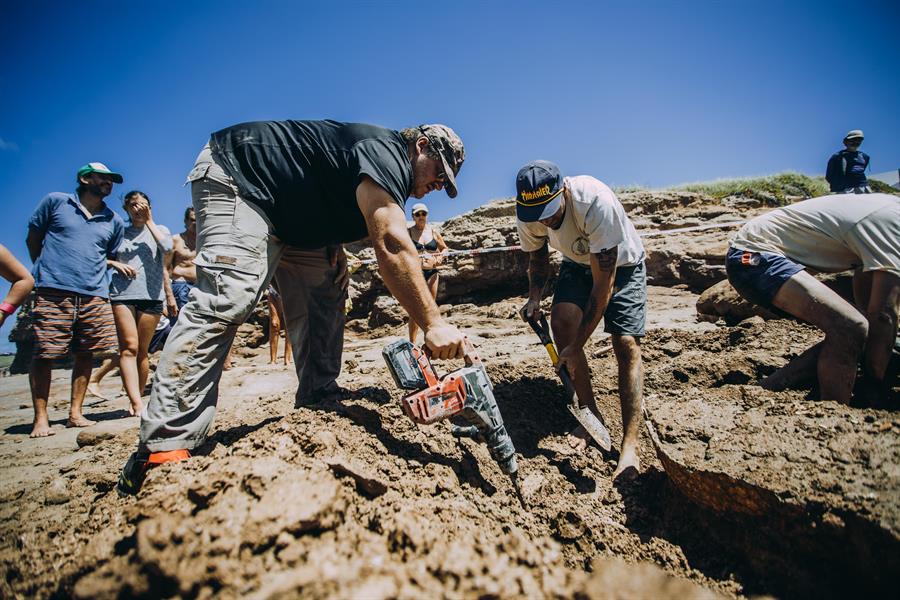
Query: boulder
386, 310
721, 301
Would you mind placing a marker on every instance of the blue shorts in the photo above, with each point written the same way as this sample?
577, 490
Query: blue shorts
757, 276
626, 313
181, 289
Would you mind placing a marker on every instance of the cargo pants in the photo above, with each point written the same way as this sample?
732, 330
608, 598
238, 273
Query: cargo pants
237, 256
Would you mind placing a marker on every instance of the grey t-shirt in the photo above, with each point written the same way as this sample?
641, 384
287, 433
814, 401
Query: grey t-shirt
140, 251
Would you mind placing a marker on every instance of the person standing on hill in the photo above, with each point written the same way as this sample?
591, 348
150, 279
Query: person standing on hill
846, 171
602, 276
280, 194
70, 238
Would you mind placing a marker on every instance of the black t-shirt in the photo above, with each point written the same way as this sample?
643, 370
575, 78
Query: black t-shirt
304, 174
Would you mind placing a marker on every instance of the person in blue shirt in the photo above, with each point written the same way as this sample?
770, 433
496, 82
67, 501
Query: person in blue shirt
846, 171
70, 238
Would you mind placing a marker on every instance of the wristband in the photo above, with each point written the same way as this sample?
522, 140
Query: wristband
8, 308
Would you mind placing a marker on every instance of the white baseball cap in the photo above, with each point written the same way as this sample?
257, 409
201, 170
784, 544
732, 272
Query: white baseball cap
419, 207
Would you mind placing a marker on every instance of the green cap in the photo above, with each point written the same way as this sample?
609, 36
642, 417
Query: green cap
95, 167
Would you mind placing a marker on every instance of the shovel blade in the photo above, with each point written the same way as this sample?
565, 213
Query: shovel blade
595, 428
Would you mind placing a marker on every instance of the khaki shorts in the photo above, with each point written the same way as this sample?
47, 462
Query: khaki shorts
68, 322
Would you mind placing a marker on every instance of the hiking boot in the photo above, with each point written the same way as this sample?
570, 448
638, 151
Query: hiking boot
135, 470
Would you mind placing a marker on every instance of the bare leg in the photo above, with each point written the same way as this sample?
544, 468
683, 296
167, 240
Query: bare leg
81, 374
845, 329
631, 385
564, 321
99, 373
274, 329
126, 328
883, 306
146, 326
39, 378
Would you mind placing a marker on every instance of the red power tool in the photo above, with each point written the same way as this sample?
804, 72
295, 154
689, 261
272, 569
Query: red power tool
465, 392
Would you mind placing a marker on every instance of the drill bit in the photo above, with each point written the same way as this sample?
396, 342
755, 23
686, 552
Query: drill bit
514, 478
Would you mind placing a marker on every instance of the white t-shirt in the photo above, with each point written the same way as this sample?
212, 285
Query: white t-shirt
595, 220
831, 233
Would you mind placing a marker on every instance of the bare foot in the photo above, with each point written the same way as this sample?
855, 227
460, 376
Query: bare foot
629, 465
41, 429
93, 389
579, 439
79, 422
135, 408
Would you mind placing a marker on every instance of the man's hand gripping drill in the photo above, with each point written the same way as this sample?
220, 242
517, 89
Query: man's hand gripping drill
465, 392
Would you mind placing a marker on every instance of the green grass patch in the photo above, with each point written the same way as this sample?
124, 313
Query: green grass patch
6, 360
779, 189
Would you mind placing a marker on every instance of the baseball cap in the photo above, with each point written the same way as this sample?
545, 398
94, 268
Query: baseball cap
450, 148
96, 167
539, 187
855, 133
419, 207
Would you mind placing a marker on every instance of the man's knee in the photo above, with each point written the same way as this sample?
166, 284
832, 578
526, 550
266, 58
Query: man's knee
850, 330
626, 347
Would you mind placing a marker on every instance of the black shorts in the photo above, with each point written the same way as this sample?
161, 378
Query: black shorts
151, 307
626, 313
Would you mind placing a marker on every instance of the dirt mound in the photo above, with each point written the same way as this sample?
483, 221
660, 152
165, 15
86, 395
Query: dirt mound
816, 481
351, 499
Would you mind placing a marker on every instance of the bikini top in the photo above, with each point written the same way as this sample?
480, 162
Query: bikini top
430, 246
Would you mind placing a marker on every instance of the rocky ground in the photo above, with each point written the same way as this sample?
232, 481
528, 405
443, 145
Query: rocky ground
744, 491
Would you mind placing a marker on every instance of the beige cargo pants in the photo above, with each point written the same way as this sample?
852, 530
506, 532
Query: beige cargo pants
237, 255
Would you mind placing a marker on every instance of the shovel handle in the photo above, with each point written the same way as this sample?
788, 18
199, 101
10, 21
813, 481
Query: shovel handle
542, 329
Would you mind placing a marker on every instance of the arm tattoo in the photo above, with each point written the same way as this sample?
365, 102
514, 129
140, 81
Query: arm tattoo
607, 258
538, 269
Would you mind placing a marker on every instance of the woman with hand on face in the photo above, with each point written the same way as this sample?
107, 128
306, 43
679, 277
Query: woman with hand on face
137, 292
428, 240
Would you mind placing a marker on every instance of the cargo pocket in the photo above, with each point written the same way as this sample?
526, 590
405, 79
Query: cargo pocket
228, 286
198, 172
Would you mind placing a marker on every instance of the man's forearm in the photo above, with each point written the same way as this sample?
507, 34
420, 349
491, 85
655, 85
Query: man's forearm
538, 273
603, 272
400, 268
34, 245
596, 305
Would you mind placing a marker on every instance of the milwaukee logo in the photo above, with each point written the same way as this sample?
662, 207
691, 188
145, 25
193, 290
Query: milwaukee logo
544, 190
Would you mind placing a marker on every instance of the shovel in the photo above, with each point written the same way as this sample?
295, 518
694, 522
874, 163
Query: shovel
594, 426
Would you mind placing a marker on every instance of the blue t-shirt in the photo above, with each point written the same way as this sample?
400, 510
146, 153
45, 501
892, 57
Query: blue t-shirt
75, 250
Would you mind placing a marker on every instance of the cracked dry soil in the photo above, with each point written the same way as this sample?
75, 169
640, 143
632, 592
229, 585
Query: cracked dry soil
350, 499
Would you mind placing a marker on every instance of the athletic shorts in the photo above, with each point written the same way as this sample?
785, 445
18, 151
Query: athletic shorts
757, 276
151, 307
68, 322
626, 313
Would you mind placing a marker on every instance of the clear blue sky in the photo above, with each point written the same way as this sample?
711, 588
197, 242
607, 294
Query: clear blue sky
651, 93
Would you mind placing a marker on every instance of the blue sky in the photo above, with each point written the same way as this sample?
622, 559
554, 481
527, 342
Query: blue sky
651, 93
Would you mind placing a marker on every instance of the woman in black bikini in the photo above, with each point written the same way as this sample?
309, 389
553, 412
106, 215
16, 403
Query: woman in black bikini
427, 239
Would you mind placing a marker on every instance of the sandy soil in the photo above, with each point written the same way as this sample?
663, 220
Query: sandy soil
351, 499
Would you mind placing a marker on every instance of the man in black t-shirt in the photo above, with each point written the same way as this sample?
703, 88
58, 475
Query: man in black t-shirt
285, 195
